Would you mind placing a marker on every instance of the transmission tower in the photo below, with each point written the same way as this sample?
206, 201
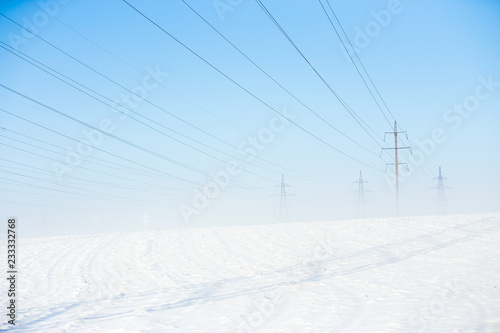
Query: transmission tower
360, 193
396, 161
145, 221
440, 197
284, 217
206, 193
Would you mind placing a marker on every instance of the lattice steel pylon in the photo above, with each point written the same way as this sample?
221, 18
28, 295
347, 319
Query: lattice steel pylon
284, 216
360, 193
206, 194
440, 196
145, 221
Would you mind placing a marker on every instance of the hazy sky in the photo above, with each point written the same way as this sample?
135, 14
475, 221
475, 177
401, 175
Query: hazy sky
141, 110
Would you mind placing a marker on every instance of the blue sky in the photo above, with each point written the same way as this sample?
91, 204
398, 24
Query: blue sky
427, 60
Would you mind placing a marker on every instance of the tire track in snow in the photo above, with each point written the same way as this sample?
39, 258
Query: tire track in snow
257, 248
376, 256
93, 270
74, 266
58, 274
160, 255
34, 262
54, 274
118, 272
101, 288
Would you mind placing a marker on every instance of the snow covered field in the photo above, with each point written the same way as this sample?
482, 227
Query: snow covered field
422, 274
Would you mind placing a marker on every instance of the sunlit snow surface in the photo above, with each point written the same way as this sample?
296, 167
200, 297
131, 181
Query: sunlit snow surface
422, 274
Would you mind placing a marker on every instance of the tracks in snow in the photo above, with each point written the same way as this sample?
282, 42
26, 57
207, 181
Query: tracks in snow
86, 281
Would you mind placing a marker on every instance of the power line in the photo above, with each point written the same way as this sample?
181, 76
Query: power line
121, 139
364, 71
146, 150
147, 125
370, 85
46, 188
354, 63
39, 64
92, 127
276, 82
143, 73
179, 95
114, 175
102, 150
41, 171
108, 164
396, 161
130, 91
17, 149
246, 90
353, 114
103, 196
59, 184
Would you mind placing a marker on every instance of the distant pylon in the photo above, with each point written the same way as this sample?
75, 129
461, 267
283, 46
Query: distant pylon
145, 221
440, 197
206, 193
360, 193
284, 217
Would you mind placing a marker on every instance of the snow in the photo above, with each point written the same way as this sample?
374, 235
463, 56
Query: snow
419, 274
